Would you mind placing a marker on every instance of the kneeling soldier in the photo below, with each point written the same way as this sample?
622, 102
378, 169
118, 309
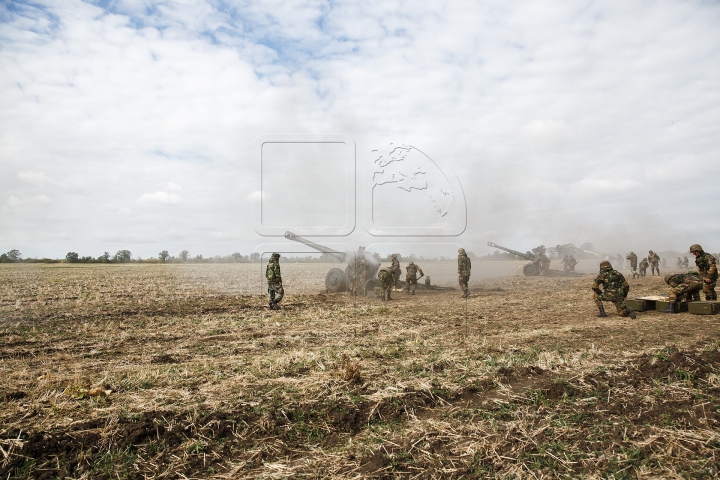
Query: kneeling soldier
615, 289
411, 276
386, 279
683, 284
643, 267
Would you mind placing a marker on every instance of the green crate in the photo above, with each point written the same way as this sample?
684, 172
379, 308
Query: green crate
704, 308
640, 305
679, 306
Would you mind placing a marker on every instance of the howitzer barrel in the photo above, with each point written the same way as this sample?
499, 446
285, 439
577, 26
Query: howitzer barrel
514, 252
296, 238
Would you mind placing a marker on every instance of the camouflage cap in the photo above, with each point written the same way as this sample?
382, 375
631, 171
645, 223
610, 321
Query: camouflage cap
605, 264
461, 251
695, 248
411, 263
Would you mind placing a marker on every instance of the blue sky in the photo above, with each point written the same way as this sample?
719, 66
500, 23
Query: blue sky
130, 124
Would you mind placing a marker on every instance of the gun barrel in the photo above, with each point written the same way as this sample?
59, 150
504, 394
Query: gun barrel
296, 238
514, 252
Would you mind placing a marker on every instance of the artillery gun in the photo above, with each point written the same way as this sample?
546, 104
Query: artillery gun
336, 279
531, 269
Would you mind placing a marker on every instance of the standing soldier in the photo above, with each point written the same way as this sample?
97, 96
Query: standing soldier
633, 263
544, 264
654, 260
274, 279
683, 284
678, 263
352, 275
386, 279
571, 264
565, 263
708, 270
685, 262
360, 269
396, 270
411, 276
615, 289
464, 266
643, 267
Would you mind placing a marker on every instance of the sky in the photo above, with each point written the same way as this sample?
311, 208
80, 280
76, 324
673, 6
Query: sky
129, 124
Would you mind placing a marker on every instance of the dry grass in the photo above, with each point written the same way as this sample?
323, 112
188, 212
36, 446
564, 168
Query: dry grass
182, 371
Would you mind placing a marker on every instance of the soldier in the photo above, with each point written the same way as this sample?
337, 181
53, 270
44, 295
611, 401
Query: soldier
411, 277
654, 260
386, 279
683, 284
708, 271
351, 273
274, 279
464, 266
615, 289
544, 264
685, 262
571, 264
397, 270
633, 263
360, 269
643, 267
678, 263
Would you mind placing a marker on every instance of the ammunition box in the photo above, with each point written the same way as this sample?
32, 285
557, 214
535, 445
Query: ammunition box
640, 305
704, 308
679, 306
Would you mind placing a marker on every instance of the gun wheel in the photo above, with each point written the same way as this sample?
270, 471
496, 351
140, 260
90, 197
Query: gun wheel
335, 281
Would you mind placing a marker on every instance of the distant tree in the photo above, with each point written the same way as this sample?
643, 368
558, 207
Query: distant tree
163, 256
255, 257
72, 257
184, 255
198, 258
86, 259
237, 257
104, 258
123, 256
4, 258
13, 256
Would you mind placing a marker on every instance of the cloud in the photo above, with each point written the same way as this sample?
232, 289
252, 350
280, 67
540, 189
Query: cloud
126, 211
548, 134
42, 180
35, 201
159, 198
172, 186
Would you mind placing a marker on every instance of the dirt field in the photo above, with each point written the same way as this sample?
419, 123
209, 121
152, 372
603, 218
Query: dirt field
181, 371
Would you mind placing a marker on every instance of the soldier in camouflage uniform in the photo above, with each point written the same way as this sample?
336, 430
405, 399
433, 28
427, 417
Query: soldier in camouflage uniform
571, 264
352, 276
708, 271
464, 267
654, 260
397, 270
386, 280
274, 279
685, 262
411, 277
643, 267
360, 269
615, 289
633, 263
686, 285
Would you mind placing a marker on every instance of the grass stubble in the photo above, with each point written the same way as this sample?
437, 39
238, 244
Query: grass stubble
183, 372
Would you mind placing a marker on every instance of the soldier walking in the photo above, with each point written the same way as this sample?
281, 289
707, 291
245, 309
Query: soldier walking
614, 289
464, 267
274, 279
386, 280
687, 285
411, 277
685, 262
654, 260
633, 263
397, 270
708, 270
643, 267
571, 264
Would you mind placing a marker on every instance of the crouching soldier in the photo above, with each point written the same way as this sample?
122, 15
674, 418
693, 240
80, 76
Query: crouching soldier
274, 279
643, 267
686, 285
411, 277
614, 289
386, 279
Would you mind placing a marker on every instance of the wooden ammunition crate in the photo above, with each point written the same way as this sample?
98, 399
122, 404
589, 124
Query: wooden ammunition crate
704, 308
679, 306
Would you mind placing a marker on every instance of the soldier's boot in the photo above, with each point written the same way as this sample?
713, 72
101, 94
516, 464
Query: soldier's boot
631, 313
272, 305
670, 308
602, 311
466, 294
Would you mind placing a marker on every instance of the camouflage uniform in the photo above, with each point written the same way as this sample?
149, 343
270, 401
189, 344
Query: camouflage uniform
352, 276
274, 279
360, 269
654, 260
643, 267
615, 289
544, 264
396, 269
464, 267
708, 271
571, 264
685, 262
411, 277
565, 261
633, 263
386, 279
684, 284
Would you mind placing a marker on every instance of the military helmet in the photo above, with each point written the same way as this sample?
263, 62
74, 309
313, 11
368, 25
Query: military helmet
411, 263
605, 264
695, 248
668, 277
394, 255
275, 255
461, 251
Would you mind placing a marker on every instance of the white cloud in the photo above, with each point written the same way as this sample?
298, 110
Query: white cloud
34, 201
549, 134
173, 186
159, 198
